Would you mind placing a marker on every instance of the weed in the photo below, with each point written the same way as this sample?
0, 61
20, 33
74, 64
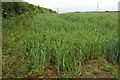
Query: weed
90, 66
109, 69
94, 61
95, 71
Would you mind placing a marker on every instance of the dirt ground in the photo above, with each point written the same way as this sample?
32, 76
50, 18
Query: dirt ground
96, 65
94, 68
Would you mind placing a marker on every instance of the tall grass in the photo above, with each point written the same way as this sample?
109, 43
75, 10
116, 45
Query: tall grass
67, 39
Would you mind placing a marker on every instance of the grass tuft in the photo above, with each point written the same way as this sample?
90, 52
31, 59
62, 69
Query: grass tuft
95, 71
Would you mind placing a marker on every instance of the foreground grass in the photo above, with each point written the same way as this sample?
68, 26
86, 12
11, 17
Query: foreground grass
59, 41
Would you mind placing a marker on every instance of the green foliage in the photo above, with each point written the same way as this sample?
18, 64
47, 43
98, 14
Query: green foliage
90, 66
62, 40
95, 72
10, 9
116, 74
94, 61
109, 69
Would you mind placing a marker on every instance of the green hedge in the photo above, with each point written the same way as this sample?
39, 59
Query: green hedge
10, 9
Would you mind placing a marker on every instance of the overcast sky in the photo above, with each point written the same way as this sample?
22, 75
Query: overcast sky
77, 5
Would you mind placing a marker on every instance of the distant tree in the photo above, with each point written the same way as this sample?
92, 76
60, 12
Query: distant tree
106, 11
